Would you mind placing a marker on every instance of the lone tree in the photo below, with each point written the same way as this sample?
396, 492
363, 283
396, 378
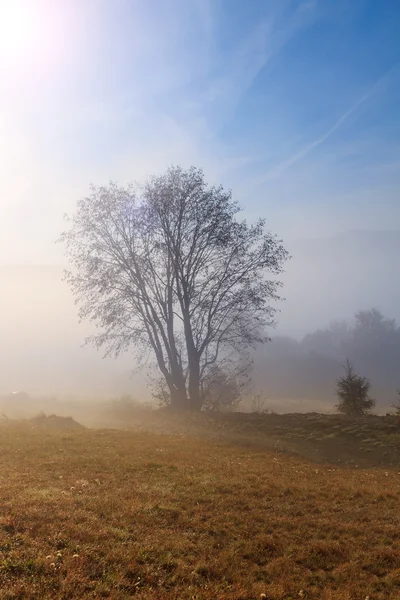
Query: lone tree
169, 269
353, 393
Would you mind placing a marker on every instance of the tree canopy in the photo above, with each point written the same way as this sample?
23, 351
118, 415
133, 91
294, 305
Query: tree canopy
169, 269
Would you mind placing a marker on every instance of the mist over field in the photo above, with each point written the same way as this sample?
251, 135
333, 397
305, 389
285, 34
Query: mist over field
328, 279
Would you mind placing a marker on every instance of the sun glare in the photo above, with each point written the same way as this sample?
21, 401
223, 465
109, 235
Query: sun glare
35, 36
19, 29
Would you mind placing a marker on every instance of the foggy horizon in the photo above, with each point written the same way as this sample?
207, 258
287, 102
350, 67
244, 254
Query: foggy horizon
306, 139
42, 340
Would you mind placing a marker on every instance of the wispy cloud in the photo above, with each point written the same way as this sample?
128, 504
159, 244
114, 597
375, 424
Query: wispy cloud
286, 164
251, 54
283, 166
170, 94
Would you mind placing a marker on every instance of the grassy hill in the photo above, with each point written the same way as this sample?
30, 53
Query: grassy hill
193, 515
369, 441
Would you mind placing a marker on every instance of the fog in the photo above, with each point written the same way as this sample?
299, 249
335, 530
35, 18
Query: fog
327, 279
291, 105
333, 277
42, 349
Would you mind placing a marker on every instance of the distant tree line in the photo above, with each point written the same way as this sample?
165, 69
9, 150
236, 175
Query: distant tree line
310, 367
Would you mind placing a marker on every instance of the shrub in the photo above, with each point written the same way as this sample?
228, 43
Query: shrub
259, 404
396, 405
222, 391
126, 406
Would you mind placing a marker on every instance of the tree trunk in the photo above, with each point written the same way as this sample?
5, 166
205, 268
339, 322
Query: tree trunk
195, 400
194, 383
179, 400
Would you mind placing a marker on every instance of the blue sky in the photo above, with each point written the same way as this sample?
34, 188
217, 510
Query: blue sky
294, 105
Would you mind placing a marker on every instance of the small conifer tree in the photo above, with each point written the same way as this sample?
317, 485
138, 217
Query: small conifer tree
353, 393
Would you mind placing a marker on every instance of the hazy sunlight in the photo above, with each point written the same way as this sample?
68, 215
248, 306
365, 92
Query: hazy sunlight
21, 29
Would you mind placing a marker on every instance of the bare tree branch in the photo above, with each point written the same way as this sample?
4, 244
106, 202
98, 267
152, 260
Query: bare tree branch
168, 268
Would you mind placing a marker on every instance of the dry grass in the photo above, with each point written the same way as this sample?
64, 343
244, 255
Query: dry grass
363, 442
116, 514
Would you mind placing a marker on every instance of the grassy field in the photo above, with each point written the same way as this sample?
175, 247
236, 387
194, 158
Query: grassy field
122, 514
325, 438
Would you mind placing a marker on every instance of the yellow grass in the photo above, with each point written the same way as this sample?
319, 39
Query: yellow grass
117, 514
